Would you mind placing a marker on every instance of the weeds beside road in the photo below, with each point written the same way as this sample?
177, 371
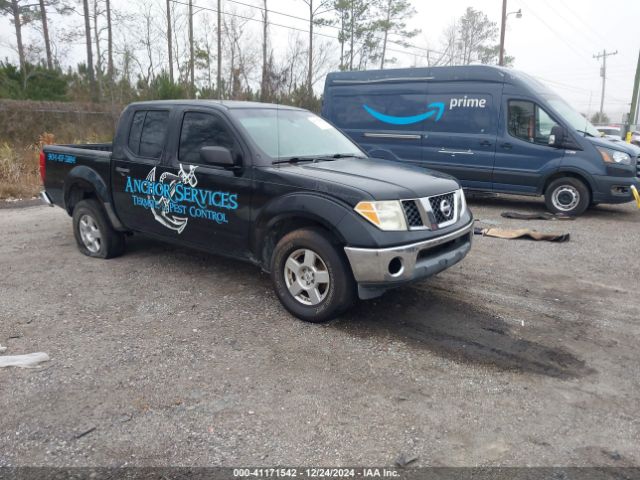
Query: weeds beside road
526, 353
22, 132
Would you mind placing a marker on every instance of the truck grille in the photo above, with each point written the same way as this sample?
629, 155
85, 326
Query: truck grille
412, 213
443, 207
432, 212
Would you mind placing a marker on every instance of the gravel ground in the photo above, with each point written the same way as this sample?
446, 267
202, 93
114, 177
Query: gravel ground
526, 353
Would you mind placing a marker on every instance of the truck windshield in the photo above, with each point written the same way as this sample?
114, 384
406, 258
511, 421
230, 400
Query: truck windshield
572, 117
283, 134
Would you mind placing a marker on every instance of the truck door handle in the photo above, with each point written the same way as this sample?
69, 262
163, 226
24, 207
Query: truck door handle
485, 143
506, 146
122, 170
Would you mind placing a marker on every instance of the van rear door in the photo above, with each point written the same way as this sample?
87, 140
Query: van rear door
380, 116
462, 141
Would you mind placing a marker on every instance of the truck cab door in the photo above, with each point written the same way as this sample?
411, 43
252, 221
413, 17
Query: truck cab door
205, 205
461, 139
134, 162
523, 155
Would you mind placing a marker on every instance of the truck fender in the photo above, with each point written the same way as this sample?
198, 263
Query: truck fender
90, 181
303, 208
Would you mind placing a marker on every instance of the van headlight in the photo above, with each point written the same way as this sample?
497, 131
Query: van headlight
463, 203
614, 156
386, 215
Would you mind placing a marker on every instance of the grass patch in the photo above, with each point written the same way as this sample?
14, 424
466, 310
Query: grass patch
19, 171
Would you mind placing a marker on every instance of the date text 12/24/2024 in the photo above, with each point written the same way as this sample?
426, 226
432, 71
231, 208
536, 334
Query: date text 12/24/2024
316, 472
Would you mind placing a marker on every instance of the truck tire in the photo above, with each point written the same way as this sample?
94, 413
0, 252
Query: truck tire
568, 196
311, 276
94, 234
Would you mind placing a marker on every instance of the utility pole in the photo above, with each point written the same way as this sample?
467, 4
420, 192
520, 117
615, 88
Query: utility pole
633, 115
503, 27
603, 74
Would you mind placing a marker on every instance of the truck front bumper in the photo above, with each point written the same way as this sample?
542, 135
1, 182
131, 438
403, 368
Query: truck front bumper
377, 270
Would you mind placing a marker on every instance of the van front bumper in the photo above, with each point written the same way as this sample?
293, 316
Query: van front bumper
377, 270
611, 189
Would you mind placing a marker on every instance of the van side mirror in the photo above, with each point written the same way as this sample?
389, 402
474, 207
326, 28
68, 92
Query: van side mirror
218, 156
558, 137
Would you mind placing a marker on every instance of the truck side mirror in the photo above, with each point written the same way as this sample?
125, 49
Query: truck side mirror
558, 137
218, 156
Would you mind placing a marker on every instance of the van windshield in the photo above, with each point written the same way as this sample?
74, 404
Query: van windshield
571, 116
284, 134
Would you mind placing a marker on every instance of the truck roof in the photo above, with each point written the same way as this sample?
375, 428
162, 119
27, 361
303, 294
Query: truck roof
221, 104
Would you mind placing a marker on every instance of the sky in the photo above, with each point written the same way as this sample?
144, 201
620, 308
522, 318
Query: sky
555, 40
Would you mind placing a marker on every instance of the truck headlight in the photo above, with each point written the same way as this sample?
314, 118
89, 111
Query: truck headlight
614, 156
387, 215
463, 203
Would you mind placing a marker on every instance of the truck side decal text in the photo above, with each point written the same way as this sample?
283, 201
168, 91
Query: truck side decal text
173, 199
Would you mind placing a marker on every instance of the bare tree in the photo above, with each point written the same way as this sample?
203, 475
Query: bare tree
192, 81
87, 31
315, 11
264, 93
240, 54
219, 70
169, 41
21, 15
110, 67
45, 34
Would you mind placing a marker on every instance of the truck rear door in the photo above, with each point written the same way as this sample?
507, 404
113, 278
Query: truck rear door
135, 164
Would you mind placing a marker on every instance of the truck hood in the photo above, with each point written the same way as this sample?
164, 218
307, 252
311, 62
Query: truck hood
381, 179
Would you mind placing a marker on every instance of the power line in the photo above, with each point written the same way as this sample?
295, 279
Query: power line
572, 14
428, 50
555, 32
244, 17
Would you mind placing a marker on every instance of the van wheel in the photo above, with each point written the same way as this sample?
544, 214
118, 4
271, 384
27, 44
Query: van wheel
94, 234
568, 196
311, 276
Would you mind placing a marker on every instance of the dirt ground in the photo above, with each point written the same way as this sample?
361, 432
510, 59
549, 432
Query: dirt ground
526, 353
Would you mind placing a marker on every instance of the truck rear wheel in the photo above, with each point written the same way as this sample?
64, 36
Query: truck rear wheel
94, 234
568, 196
311, 276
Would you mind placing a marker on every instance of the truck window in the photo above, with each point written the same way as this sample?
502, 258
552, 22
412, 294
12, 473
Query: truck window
148, 133
202, 130
529, 122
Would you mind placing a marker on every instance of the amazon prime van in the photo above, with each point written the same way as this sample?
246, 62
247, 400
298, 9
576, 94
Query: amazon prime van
495, 129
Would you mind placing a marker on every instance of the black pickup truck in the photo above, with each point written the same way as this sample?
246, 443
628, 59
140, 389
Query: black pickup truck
273, 185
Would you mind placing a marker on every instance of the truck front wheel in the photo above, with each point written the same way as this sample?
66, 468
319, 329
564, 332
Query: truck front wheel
311, 276
568, 196
94, 234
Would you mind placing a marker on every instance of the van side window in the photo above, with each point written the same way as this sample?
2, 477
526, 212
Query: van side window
529, 122
202, 130
148, 133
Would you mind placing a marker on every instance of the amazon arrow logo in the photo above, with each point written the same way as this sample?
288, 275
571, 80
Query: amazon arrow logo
436, 108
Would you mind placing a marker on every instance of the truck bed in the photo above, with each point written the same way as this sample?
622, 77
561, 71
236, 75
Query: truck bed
61, 160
